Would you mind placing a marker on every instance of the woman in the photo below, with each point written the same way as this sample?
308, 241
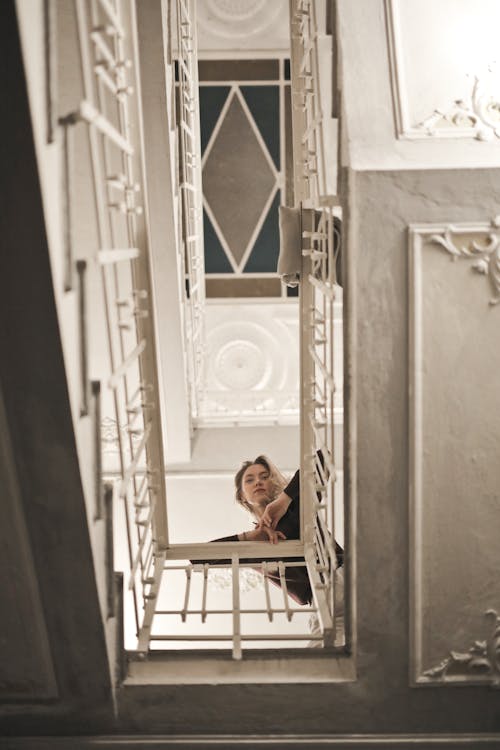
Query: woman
263, 491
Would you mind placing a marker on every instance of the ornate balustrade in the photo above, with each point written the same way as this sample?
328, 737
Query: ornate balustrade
320, 295
117, 327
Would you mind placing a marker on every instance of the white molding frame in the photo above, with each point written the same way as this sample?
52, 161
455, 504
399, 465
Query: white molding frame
480, 126
437, 234
396, 68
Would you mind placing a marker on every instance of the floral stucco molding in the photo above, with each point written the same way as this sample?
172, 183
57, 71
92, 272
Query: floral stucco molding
481, 114
485, 253
481, 660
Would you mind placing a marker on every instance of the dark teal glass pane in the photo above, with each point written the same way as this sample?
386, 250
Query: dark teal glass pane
264, 104
264, 256
212, 100
215, 258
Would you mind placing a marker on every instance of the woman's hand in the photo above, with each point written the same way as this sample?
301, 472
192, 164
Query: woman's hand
262, 534
275, 511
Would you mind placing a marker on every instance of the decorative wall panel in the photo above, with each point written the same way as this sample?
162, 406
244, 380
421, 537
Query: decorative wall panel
454, 450
445, 80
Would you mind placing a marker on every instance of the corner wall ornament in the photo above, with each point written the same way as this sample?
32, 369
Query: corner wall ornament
481, 114
481, 660
486, 254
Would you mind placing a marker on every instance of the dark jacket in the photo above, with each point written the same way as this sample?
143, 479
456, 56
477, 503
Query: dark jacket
297, 579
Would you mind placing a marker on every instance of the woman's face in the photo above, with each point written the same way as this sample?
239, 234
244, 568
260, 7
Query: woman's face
256, 486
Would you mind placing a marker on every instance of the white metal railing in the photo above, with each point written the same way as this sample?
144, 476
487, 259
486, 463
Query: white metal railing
224, 595
310, 175
319, 295
191, 209
121, 318
111, 111
205, 604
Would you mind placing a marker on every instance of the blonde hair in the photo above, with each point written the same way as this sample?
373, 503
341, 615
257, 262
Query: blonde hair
278, 481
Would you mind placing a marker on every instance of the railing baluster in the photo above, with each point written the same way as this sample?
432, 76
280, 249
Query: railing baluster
236, 607
284, 588
266, 589
96, 396
189, 571
67, 128
89, 114
109, 550
116, 376
130, 471
113, 17
204, 594
81, 267
137, 562
50, 44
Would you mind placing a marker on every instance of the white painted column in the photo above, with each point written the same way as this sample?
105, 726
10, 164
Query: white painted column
159, 159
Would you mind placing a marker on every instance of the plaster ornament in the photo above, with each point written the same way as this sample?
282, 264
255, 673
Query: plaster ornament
481, 114
486, 254
250, 406
222, 578
108, 430
481, 660
109, 434
251, 372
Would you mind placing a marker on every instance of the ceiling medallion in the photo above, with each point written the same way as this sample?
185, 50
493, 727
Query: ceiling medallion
232, 10
481, 115
481, 660
240, 365
251, 374
238, 19
486, 254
